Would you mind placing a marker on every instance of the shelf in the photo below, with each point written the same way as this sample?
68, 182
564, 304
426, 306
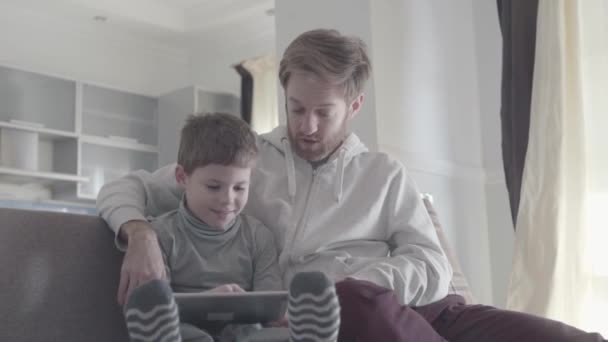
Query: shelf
69, 194
19, 176
50, 205
127, 145
119, 117
75, 204
43, 132
87, 197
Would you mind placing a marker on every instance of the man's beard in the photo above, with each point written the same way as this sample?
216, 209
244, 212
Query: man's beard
323, 148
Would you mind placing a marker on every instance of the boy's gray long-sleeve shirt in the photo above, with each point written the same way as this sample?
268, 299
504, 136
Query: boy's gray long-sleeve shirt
199, 258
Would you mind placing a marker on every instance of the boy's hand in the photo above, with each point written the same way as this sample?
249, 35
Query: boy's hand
227, 288
143, 260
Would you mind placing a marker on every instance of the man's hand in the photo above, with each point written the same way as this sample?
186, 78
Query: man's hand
227, 288
143, 260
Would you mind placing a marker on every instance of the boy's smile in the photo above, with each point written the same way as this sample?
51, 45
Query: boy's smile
215, 194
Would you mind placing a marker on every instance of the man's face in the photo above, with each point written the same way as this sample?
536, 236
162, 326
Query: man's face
317, 115
215, 194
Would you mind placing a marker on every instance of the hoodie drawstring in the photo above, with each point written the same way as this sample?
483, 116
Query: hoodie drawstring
291, 169
340, 170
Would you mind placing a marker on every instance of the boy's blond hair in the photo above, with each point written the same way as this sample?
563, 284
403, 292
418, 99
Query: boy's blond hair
330, 56
216, 138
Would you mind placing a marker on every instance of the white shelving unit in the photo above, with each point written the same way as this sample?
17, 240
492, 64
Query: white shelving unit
104, 163
78, 135
43, 132
37, 99
38, 141
119, 134
174, 107
110, 113
119, 143
72, 137
20, 176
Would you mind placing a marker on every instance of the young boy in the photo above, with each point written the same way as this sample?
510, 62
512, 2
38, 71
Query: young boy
207, 244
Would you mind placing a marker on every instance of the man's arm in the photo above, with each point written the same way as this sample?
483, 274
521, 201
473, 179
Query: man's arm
124, 204
417, 269
136, 196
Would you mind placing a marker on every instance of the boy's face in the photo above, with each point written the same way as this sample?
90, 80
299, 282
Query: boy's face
317, 115
216, 194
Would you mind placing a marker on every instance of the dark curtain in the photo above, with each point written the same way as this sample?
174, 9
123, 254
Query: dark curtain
518, 26
246, 92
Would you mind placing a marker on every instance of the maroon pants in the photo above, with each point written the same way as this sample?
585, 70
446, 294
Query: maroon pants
370, 313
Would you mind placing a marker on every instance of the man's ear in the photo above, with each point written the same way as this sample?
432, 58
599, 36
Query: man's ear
180, 175
355, 106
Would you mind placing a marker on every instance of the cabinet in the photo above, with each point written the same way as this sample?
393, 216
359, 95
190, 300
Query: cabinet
38, 141
174, 107
71, 136
118, 134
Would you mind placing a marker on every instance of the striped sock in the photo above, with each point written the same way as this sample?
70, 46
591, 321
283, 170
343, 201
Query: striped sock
313, 310
151, 313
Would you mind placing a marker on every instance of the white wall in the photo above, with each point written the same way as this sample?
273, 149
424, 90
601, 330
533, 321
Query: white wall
294, 17
90, 51
437, 67
144, 62
500, 226
213, 54
137, 61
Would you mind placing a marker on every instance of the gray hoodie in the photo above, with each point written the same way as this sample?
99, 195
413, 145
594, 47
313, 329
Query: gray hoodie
358, 215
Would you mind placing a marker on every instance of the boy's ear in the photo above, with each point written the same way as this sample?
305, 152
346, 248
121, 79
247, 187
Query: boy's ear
180, 175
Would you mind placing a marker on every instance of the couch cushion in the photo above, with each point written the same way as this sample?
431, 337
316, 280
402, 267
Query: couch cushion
59, 279
459, 284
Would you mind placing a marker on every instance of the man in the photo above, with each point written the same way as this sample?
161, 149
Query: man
333, 207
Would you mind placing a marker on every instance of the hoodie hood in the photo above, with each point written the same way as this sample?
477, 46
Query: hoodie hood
351, 147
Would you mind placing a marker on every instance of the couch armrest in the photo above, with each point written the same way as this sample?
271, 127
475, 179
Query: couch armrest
459, 284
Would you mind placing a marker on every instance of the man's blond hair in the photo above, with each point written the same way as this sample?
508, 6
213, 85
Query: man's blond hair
331, 56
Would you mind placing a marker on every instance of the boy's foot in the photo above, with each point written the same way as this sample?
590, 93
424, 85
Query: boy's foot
313, 310
151, 313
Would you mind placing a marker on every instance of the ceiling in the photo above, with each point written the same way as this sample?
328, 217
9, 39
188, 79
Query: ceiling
162, 18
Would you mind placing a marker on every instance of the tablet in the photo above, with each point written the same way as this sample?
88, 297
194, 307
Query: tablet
204, 308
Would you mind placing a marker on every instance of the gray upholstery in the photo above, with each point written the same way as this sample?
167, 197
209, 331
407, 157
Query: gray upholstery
60, 273
459, 284
59, 278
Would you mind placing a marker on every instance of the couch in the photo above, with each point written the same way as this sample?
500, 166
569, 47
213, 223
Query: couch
60, 276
